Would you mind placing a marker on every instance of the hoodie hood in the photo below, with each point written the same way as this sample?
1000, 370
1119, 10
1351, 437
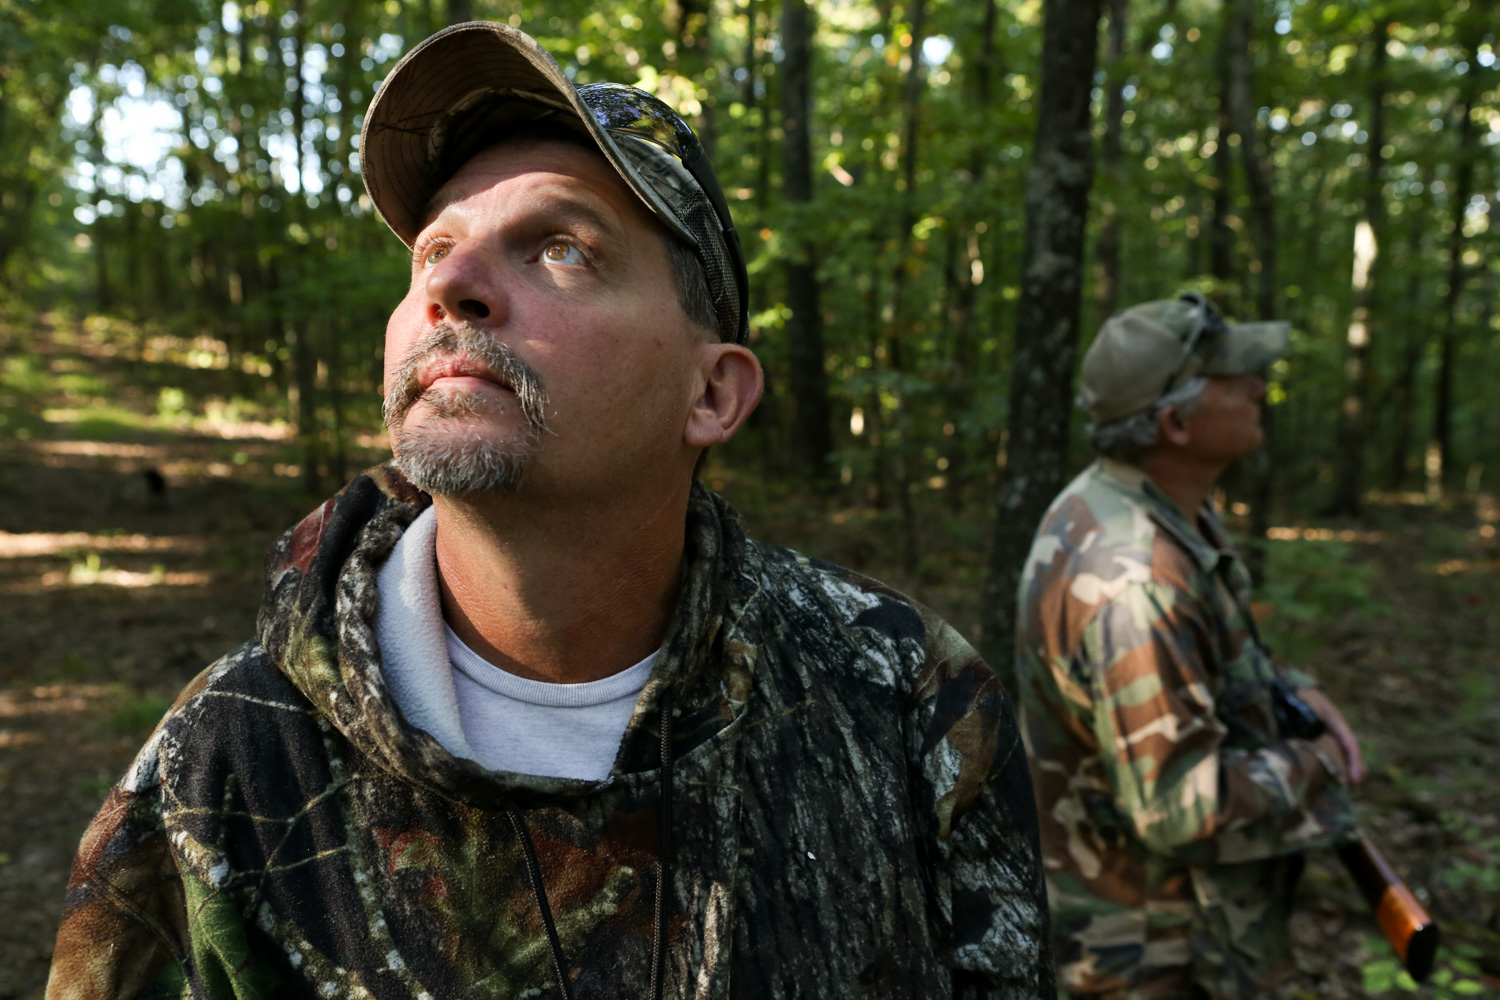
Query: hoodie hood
317, 624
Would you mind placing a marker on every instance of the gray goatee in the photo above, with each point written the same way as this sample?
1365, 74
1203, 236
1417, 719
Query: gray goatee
461, 460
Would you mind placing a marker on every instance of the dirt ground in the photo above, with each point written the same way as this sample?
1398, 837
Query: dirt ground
115, 595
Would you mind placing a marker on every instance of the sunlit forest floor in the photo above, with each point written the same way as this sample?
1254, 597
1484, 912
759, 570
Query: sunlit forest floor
115, 594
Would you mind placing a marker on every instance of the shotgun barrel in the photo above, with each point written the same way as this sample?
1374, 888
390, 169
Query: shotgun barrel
1404, 921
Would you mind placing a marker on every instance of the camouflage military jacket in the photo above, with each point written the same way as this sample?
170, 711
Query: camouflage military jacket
1172, 814
850, 810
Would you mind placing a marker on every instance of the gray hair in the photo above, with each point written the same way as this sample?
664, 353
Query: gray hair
1128, 439
691, 283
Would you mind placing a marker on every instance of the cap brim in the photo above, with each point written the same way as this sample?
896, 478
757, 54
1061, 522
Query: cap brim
406, 130
1250, 348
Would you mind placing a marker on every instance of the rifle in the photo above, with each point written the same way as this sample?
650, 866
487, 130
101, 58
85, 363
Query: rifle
1406, 925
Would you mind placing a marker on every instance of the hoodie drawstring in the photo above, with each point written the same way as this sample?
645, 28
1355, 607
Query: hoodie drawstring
663, 870
534, 876
664, 838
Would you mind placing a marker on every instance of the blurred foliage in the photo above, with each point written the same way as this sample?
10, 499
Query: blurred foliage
1312, 586
134, 714
1457, 976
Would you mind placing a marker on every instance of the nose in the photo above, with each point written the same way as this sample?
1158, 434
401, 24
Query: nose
464, 286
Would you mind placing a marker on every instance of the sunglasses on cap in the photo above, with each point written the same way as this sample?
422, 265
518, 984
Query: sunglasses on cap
1207, 323
630, 113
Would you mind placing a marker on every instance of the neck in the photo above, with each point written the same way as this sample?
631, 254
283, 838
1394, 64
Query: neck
1186, 484
558, 594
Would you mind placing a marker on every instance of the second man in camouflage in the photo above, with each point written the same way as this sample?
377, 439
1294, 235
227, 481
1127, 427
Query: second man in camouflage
1174, 815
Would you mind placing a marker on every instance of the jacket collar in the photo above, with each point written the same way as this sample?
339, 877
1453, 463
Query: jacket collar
1207, 542
317, 624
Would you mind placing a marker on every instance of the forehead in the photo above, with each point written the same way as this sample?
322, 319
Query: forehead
563, 163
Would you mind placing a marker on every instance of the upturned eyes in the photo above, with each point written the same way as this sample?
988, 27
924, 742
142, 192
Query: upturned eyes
558, 252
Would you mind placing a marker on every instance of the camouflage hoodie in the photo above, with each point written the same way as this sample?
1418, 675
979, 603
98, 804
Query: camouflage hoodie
1172, 813
848, 809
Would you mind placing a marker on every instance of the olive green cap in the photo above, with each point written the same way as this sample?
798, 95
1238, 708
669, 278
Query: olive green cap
1146, 351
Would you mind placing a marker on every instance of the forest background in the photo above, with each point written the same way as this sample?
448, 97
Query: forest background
940, 201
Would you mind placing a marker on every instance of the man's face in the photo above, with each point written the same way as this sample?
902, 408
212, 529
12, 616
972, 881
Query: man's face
1226, 424
541, 340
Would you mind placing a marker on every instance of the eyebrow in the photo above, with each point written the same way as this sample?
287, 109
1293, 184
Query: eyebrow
565, 205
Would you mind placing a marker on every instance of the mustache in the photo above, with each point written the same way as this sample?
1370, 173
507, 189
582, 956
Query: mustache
470, 339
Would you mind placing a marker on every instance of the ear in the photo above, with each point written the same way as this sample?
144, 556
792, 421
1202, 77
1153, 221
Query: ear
730, 385
1172, 428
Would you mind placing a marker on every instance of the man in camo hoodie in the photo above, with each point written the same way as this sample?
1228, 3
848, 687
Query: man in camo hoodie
1174, 814
528, 714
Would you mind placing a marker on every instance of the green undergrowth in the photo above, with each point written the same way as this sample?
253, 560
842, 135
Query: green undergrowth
1310, 585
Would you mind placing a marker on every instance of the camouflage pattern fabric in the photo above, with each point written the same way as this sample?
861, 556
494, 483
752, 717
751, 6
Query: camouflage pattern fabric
853, 816
1173, 817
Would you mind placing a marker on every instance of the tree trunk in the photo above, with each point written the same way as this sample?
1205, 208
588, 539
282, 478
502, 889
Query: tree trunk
900, 438
1041, 389
812, 438
1463, 189
1259, 183
747, 88
304, 360
1107, 287
104, 299
1220, 237
1404, 388
1349, 480
968, 267
460, 11
695, 58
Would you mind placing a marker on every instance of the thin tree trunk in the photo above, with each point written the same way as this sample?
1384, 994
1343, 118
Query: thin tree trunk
695, 57
460, 11
1463, 189
812, 439
1259, 182
104, 299
304, 362
874, 417
969, 267
1404, 388
901, 451
1107, 287
1349, 479
1220, 237
747, 88
1041, 389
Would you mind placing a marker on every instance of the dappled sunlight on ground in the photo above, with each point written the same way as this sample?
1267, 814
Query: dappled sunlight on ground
47, 543
52, 699
85, 577
1450, 567
1289, 534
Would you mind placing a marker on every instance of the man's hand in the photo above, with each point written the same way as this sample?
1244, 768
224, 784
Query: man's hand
1339, 741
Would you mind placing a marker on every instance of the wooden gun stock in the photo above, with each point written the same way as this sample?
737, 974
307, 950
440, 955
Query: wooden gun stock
1404, 922
1411, 932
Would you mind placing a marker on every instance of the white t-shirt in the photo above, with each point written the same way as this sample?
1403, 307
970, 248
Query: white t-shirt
475, 709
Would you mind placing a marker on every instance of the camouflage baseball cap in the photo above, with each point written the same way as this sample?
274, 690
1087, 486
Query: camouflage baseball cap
463, 88
1148, 350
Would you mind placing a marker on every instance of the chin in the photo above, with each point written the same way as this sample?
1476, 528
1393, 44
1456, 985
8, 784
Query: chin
462, 462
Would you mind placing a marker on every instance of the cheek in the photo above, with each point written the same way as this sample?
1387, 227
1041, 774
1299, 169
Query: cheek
400, 332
